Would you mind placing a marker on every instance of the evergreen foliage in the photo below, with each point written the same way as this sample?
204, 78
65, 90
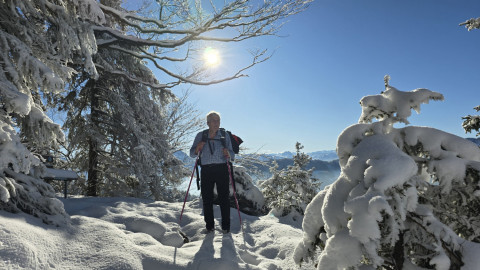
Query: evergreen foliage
289, 190
39, 40
119, 127
88, 58
406, 198
472, 122
129, 124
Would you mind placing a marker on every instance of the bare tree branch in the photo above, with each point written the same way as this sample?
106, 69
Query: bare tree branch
257, 58
189, 25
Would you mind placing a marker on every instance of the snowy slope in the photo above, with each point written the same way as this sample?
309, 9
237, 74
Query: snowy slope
127, 233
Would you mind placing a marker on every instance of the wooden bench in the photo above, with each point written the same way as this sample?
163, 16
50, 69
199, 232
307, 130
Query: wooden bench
58, 174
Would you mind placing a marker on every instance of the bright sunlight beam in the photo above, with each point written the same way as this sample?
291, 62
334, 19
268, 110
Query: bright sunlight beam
211, 57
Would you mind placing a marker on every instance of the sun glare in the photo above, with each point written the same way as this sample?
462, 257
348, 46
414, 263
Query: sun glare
211, 56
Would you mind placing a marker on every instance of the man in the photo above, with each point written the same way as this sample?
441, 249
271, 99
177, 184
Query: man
214, 155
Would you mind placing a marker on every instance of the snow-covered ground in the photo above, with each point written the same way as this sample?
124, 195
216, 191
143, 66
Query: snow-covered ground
128, 233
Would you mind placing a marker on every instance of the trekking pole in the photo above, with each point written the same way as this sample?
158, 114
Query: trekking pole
186, 195
234, 193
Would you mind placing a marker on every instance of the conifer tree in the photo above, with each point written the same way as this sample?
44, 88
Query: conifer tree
406, 198
47, 46
471, 24
117, 128
472, 122
39, 41
157, 34
289, 190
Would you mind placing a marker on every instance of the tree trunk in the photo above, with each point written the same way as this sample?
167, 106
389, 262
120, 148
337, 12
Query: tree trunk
398, 253
92, 181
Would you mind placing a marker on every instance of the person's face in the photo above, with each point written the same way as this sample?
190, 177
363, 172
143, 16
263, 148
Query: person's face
214, 123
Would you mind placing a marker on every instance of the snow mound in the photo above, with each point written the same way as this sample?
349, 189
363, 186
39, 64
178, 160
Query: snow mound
129, 233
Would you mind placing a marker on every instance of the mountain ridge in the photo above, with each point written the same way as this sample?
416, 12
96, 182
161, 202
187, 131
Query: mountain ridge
325, 155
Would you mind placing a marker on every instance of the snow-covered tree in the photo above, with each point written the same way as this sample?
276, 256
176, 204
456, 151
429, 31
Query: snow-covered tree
43, 43
250, 199
183, 121
122, 136
473, 23
289, 190
472, 122
39, 40
116, 123
406, 198
171, 34
158, 33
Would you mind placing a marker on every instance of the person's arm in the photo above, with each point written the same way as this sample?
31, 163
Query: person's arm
230, 148
196, 143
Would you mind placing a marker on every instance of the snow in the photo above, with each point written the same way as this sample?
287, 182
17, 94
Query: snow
340, 243
60, 174
381, 197
129, 233
375, 200
396, 103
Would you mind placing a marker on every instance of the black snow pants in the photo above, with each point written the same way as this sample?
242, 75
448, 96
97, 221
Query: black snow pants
211, 175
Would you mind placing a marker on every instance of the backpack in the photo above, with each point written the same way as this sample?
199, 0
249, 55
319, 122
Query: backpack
236, 141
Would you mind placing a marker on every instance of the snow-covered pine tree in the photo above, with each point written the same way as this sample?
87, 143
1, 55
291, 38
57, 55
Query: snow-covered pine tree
39, 40
125, 134
166, 35
118, 124
289, 190
473, 23
406, 198
472, 122
44, 42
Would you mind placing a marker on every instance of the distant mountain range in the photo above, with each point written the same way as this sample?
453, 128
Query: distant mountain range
325, 155
325, 171
325, 163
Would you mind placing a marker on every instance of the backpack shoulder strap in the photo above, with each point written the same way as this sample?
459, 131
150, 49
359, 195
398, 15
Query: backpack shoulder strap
222, 137
205, 135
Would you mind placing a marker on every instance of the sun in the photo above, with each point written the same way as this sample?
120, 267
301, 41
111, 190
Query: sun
211, 56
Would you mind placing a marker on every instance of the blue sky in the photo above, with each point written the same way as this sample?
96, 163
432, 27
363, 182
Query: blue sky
338, 51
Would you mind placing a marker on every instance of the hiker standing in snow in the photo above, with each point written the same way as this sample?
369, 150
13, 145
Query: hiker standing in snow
213, 157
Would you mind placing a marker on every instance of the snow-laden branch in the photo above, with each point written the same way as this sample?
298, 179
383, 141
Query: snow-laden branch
49, 45
244, 16
130, 78
406, 197
234, 21
40, 41
122, 38
130, 18
473, 23
472, 122
395, 104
